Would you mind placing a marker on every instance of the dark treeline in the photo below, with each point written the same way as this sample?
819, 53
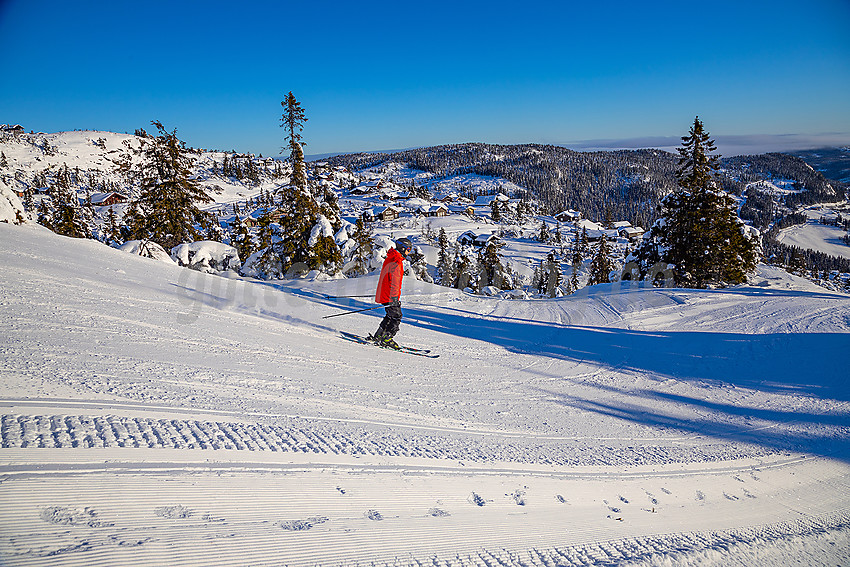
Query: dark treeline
628, 185
796, 258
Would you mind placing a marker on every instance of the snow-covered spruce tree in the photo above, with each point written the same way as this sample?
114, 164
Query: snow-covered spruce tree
68, 218
419, 266
577, 255
45, 215
465, 271
601, 264
303, 238
293, 120
444, 262
574, 284
543, 235
698, 231
583, 245
537, 279
241, 238
553, 275
166, 210
113, 228
29, 199
495, 212
494, 272
364, 238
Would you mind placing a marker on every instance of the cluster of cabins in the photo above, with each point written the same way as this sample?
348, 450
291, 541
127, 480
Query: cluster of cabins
596, 231
442, 205
449, 203
387, 201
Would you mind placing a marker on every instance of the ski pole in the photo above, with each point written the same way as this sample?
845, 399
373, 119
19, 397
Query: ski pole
350, 312
345, 296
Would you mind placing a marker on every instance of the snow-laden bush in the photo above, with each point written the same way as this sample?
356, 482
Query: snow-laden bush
321, 229
342, 236
382, 246
207, 256
255, 267
146, 249
11, 208
515, 294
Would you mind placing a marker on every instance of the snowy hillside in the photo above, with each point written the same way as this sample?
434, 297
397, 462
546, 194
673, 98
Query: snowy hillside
815, 235
94, 157
155, 415
90, 160
240, 186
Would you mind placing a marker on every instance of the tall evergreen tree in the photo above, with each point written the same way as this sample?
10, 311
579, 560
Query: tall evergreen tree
68, 216
304, 236
465, 272
574, 284
577, 256
699, 232
293, 120
494, 271
166, 211
553, 275
538, 281
113, 230
584, 244
29, 199
241, 237
544, 234
445, 273
601, 265
495, 211
363, 236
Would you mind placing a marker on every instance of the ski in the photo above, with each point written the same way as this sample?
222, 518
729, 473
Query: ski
405, 349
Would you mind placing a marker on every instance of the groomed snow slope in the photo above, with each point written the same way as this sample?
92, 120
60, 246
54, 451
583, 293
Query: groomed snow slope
153, 415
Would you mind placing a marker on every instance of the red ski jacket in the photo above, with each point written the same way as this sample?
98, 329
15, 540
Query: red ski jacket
389, 284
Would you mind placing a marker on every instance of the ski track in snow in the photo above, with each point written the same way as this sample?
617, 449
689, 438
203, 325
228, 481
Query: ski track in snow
153, 415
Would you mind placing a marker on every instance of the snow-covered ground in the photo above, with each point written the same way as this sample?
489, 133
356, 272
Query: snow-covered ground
815, 235
155, 415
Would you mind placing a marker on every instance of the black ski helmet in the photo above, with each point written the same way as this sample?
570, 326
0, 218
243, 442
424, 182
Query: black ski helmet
404, 246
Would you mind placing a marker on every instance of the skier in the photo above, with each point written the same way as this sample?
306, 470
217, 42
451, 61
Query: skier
388, 293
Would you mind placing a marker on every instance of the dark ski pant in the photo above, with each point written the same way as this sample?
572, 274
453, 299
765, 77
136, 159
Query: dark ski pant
389, 325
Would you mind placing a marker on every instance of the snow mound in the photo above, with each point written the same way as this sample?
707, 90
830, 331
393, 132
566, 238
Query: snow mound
146, 249
321, 229
11, 208
207, 256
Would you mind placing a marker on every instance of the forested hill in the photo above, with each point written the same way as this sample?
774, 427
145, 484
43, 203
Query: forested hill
629, 184
833, 162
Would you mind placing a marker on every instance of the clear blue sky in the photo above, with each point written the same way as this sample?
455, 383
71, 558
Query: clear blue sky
388, 75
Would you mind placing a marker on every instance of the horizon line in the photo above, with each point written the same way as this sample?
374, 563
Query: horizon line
735, 144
